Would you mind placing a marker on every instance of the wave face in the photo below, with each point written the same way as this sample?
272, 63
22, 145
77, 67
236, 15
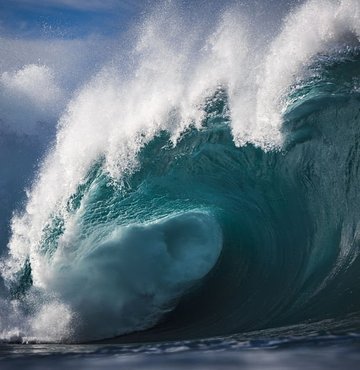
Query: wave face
199, 193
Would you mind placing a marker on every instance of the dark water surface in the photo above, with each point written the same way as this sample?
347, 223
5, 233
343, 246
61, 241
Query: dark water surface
326, 352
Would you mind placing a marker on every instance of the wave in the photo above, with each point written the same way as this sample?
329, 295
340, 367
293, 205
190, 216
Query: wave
199, 193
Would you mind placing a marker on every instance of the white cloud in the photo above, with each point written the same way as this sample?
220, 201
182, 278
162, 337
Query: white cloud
34, 82
39, 77
29, 96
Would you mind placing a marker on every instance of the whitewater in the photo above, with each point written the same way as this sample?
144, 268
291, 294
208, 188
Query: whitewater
200, 182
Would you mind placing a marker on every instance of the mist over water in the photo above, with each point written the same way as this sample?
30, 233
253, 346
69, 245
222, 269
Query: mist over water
199, 179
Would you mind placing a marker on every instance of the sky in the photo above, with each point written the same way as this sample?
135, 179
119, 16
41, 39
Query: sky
66, 18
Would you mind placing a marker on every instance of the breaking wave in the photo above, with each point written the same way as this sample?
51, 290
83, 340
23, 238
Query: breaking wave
207, 187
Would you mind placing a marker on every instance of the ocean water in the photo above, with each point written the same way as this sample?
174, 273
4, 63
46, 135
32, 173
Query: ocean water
198, 205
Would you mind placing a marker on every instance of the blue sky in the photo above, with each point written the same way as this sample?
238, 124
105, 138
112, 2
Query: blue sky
78, 18
66, 18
